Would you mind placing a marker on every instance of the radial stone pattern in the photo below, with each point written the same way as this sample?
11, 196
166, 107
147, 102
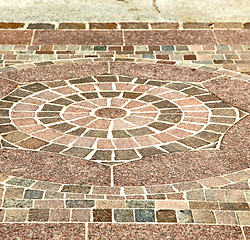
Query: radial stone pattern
113, 119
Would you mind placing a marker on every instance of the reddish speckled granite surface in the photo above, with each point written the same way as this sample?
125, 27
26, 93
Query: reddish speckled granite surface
164, 72
163, 231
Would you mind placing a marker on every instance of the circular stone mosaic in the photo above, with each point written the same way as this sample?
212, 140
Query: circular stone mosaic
112, 118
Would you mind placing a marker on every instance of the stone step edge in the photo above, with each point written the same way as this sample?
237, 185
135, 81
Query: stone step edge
126, 25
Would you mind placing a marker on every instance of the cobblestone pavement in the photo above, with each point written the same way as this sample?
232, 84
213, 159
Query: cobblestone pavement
120, 130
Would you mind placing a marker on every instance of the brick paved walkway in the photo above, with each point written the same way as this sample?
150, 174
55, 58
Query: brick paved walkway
120, 130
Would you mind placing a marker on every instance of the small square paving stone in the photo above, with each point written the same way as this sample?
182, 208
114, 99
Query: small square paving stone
144, 215
150, 98
47, 186
193, 142
4, 120
125, 154
195, 195
214, 182
44, 204
159, 189
53, 148
203, 205
13, 193
62, 127
20, 182
107, 190
120, 134
244, 218
185, 216
140, 204
7, 145
235, 206
110, 204
235, 196
15, 136
38, 215
171, 204
16, 215
102, 155
194, 91
224, 112
208, 98
204, 217
4, 113
41, 26
81, 215
243, 185
75, 196
187, 186
32, 143
167, 48
77, 132
35, 87
7, 128
175, 147
217, 105
175, 196
62, 101
131, 95
124, 215
133, 190
164, 104
50, 120
20, 93
76, 189
13, 203
215, 195
150, 151
82, 80
166, 216
78, 152
160, 125
48, 114
33, 194
209, 136
156, 196
102, 215
217, 128
110, 94
5, 104
96, 133
80, 203
76, 98
53, 195
108, 78
11, 99
59, 215
140, 131
226, 217
171, 118
50, 107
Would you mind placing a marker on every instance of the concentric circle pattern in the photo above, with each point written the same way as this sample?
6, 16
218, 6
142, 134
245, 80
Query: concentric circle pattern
112, 118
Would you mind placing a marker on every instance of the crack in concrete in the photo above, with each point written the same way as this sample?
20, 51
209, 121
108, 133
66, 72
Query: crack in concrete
157, 9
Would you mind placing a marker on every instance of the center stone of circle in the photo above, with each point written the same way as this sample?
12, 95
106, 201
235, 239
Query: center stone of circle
110, 113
